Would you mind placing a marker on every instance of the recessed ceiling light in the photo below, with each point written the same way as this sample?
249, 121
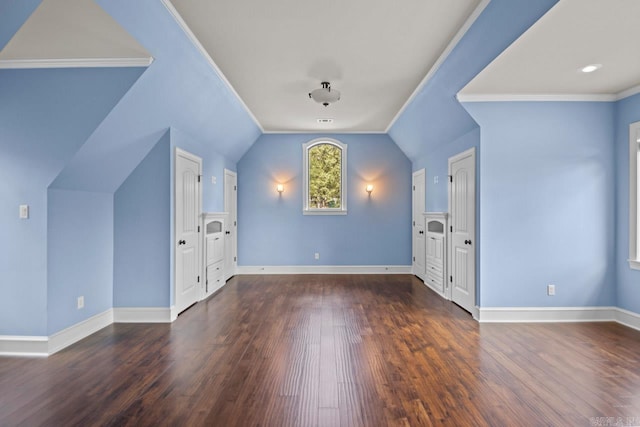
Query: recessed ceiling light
324, 121
591, 68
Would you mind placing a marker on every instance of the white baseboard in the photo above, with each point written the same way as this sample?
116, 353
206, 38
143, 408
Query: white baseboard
143, 315
42, 346
81, 330
325, 269
628, 318
24, 346
546, 314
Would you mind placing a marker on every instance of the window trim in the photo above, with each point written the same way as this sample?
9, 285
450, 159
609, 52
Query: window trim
634, 152
306, 210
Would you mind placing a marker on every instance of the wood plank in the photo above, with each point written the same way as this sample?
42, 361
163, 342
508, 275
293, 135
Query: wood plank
329, 350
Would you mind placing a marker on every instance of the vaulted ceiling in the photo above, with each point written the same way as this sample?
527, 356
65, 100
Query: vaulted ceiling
392, 64
375, 52
546, 61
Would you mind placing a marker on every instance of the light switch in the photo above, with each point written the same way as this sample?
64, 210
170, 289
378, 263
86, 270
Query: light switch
24, 211
213, 179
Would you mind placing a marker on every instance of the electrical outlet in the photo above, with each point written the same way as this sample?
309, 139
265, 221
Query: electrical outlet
551, 290
80, 302
213, 180
436, 179
317, 255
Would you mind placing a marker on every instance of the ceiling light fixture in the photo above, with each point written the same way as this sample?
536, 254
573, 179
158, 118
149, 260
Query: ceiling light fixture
324, 121
324, 95
591, 68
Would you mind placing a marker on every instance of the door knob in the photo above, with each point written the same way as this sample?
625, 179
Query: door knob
182, 242
467, 242
227, 232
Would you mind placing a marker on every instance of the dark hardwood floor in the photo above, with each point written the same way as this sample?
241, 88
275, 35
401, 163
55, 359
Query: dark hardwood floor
330, 351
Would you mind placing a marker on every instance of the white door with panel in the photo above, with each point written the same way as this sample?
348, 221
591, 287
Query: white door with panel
462, 220
417, 223
187, 228
231, 225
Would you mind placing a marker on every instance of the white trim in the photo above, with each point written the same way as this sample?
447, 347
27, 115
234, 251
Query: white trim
325, 132
192, 37
325, 269
535, 97
634, 152
327, 211
634, 264
306, 210
24, 346
627, 318
75, 63
143, 314
628, 92
75, 333
546, 314
452, 44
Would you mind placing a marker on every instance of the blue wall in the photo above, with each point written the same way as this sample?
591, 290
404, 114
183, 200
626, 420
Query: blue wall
45, 116
547, 211
79, 256
436, 164
434, 117
273, 231
628, 280
179, 90
142, 235
12, 15
144, 220
84, 131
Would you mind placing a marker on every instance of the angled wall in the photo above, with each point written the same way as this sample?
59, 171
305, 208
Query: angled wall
142, 232
45, 116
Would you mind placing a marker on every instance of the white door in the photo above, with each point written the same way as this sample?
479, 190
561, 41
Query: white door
187, 237
231, 226
417, 221
462, 207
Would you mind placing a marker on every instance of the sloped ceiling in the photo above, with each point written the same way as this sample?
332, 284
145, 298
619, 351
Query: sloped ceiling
547, 59
435, 117
375, 52
71, 33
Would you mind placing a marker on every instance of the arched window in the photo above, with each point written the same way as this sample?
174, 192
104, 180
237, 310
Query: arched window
325, 177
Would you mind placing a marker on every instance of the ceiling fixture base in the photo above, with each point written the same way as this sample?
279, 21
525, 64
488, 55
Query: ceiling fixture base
325, 95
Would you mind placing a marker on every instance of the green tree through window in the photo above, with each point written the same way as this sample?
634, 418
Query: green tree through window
325, 176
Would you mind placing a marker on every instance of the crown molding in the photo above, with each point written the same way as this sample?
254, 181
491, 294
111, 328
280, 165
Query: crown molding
628, 92
535, 97
75, 63
325, 132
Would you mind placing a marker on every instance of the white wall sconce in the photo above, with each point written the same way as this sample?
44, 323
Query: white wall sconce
369, 188
280, 188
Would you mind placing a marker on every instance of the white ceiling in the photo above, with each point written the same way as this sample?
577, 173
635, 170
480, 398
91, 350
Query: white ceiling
375, 52
546, 60
72, 33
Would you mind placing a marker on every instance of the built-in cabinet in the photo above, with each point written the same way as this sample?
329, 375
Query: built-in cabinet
435, 252
213, 225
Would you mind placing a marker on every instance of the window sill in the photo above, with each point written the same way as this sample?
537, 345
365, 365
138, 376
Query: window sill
634, 264
323, 212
